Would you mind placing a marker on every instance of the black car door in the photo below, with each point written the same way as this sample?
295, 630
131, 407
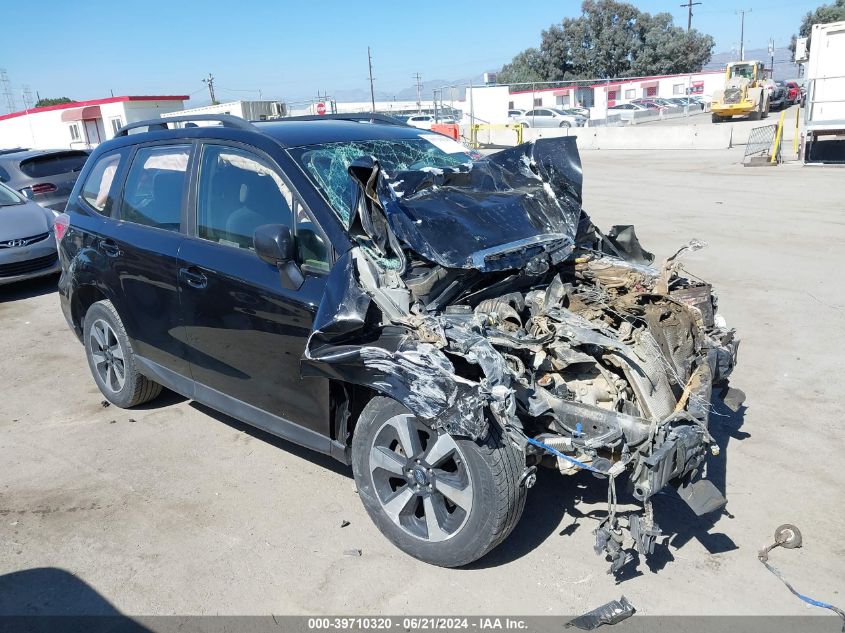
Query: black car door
246, 333
142, 247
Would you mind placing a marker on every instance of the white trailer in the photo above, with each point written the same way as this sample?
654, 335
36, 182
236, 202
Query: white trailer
824, 114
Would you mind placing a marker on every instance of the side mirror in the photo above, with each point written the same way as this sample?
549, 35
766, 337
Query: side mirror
275, 245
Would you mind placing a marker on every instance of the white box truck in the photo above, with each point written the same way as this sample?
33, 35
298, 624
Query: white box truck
824, 114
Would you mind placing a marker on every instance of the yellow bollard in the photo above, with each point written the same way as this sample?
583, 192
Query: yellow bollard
795, 140
778, 136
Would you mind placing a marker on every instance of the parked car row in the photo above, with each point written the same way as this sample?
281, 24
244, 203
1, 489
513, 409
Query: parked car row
34, 187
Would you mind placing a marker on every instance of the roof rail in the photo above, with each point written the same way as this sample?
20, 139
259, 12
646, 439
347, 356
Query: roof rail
371, 117
226, 120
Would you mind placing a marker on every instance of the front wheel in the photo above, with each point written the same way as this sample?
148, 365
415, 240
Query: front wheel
443, 499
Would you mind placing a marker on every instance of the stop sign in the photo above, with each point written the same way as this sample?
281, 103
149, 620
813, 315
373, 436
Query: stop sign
321, 108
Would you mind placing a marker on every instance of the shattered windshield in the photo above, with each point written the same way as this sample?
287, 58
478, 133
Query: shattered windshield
327, 164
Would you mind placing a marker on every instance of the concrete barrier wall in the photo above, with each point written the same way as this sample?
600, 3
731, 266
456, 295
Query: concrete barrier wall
652, 137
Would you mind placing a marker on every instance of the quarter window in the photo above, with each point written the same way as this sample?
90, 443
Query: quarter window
311, 244
238, 192
99, 189
154, 186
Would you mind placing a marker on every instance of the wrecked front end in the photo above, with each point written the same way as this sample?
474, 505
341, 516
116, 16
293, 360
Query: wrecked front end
483, 295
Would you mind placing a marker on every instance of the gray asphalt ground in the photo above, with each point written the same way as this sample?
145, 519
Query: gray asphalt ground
174, 509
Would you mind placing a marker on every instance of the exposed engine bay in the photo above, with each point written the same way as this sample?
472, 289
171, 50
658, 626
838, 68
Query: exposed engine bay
483, 295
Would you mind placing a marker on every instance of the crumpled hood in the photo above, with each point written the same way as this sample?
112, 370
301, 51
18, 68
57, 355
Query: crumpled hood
496, 214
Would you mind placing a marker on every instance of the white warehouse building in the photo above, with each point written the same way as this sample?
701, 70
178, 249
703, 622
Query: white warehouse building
81, 124
249, 110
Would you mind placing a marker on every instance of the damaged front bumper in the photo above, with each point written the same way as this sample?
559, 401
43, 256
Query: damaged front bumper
583, 354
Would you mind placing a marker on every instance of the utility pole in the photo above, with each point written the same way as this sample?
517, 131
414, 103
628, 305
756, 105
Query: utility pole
742, 13
372, 91
772, 57
7, 90
419, 92
210, 81
689, 5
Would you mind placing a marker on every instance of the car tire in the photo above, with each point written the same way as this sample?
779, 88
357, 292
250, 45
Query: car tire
112, 360
716, 118
565, 124
451, 501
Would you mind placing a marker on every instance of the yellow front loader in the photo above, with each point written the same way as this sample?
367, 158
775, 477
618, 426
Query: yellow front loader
744, 93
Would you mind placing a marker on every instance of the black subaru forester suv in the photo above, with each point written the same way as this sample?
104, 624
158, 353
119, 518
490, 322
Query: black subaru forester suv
443, 322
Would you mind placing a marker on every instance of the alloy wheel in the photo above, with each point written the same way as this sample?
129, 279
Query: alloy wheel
109, 361
420, 478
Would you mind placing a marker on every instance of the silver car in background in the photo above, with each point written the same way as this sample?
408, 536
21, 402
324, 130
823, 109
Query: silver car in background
27, 241
551, 117
45, 176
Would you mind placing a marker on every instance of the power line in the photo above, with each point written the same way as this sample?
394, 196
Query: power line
372, 91
689, 5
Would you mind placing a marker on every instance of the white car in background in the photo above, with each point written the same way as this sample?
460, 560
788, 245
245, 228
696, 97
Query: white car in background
422, 121
515, 113
551, 117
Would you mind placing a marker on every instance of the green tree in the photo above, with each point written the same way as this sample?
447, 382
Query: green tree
611, 39
527, 66
50, 102
823, 15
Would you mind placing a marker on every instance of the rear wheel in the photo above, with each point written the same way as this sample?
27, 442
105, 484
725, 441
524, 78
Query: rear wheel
111, 359
716, 118
444, 499
565, 124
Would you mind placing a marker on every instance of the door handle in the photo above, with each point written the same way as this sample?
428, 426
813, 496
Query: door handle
109, 248
193, 277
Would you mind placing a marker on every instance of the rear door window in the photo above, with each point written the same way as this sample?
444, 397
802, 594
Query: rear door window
100, 187
155, 186
54, 164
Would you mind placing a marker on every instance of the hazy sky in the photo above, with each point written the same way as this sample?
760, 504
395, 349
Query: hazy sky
84, 50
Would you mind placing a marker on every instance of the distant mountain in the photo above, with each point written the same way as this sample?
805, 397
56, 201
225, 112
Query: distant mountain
785, 68
405, 94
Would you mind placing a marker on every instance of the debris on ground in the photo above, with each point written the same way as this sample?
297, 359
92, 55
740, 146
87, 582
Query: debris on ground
105, 404
344, 523
611, 613
789, 537
352, 552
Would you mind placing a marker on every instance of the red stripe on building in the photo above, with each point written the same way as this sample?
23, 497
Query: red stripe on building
95, 102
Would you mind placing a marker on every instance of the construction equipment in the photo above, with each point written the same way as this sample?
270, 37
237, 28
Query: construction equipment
744, 93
